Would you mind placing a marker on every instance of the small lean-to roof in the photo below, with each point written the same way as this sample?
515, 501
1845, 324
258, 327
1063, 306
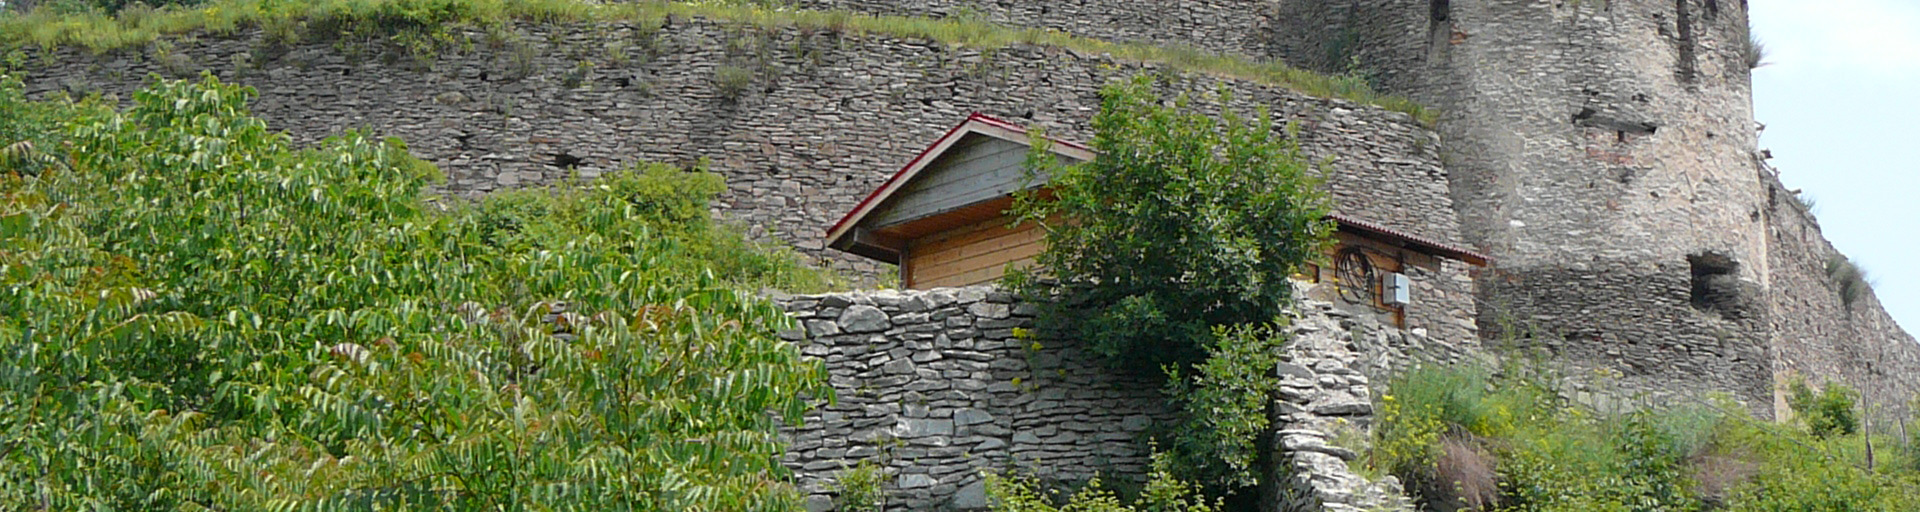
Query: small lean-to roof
1427, 244
843, 234
977, 123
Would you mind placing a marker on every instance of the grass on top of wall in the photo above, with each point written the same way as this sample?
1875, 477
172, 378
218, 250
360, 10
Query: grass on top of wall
139, 26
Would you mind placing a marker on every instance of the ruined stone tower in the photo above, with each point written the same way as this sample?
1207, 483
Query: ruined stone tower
1603, 152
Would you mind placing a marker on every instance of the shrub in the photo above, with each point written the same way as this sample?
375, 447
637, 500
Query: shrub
862, 488
732, 82
1825, 414
1225, 406
1849, 281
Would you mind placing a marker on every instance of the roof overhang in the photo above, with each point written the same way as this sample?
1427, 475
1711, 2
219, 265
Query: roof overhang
848, 235
1405, 239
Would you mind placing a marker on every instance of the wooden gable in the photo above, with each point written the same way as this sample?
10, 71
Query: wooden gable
965, 179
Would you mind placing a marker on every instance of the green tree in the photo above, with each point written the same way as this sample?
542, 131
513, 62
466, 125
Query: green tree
198, 316
1183, 223
1170, 252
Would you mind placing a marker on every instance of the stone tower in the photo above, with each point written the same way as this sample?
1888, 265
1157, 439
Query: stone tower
1603, 151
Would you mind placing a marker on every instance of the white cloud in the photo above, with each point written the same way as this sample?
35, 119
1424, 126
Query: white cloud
1878, 37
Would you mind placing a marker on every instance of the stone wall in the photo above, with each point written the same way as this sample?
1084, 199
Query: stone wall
1243, 27
1649, 331
1601, 152
933, 387
820, 120
1820, 337
1323, 416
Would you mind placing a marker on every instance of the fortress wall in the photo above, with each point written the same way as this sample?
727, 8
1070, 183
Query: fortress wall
934, 388
823, 119
1818, 336
1240, 27
1636, 322
1603, 154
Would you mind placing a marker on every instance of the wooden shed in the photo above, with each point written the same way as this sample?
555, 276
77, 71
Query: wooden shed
942, 219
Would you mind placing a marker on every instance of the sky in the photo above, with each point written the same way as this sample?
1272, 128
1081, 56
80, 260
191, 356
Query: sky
1840, 97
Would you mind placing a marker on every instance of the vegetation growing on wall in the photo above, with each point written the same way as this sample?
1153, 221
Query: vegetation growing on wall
415, 22
1848, 279
1176, 261
1462, 438
201, 317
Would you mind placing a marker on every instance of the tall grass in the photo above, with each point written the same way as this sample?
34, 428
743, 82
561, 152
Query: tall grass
1465, 438
135, 27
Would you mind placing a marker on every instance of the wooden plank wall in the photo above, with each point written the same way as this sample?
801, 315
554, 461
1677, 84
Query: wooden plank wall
973, 254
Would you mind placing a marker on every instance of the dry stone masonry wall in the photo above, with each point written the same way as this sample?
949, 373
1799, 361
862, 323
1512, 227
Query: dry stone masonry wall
1817, 334
1242, 27
802, 123
934, 388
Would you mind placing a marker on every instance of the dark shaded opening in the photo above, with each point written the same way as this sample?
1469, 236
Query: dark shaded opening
1716, 285
1440, 10
1591, 118
566, 161
1684, 24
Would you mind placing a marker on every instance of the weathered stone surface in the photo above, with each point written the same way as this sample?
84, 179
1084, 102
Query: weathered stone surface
860, 318
942, 419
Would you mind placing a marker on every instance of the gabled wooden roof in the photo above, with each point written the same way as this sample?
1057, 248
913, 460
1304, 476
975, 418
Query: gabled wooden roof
850, 235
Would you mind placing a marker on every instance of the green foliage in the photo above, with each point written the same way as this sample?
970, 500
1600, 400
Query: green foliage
1827, 413
1173, 255
1182, 224
1796, 472
1225, 406
1551, 457
218, 320
1849, 280
1164, 492
424, 22
861, 488
732, 82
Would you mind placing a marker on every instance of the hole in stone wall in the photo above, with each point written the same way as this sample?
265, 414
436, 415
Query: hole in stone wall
1440, 10
1684, 24
566, 161
1716, 285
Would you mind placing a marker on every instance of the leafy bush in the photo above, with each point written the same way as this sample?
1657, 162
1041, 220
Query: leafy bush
1184, 223
732, 82
1225, 406
218, 320
1826, 414
861, 488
